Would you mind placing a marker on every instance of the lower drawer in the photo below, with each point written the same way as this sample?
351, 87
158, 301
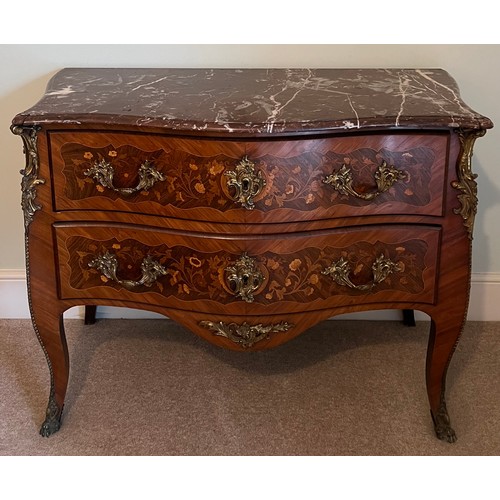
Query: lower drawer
248, 275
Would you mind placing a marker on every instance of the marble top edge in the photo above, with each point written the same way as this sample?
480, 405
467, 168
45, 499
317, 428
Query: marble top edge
254, 100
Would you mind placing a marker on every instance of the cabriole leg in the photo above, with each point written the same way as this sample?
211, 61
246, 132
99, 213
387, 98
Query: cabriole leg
50, 332
444, 335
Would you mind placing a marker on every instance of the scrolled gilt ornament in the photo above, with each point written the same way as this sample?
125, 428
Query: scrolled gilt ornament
466, 182
244, 334
442, 426
385, 177
381, 268
107, 264
103, 172
30, 178
244, 277
52, 422
247, 183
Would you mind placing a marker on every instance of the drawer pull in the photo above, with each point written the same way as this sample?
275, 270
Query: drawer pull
244, 278
245, 335
103, 172
246, 182
107, 264
385, 177
381, 268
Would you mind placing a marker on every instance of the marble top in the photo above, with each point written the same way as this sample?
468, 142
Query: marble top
254, 101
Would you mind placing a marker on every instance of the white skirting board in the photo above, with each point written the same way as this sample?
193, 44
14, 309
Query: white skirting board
484, 302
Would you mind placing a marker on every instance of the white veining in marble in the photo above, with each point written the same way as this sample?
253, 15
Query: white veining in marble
455, 94
61, 92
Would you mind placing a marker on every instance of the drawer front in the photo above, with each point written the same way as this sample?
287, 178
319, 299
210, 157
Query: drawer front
260, 181
277, 273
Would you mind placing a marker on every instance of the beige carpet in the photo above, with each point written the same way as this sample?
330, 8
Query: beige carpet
149, 387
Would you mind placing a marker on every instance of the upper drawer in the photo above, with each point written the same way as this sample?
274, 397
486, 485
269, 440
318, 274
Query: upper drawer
258, 181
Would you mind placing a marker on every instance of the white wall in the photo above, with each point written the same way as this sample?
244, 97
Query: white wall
27, 68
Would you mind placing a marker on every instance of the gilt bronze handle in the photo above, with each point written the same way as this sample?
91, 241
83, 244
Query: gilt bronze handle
244, 278
385, 177
107, 264
382, 268
245, 182
103, 172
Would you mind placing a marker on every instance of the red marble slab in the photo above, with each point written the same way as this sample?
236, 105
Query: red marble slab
254, 101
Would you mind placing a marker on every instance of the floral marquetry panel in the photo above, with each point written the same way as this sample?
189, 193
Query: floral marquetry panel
300, 277
298, 183
185, 177
189, 275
